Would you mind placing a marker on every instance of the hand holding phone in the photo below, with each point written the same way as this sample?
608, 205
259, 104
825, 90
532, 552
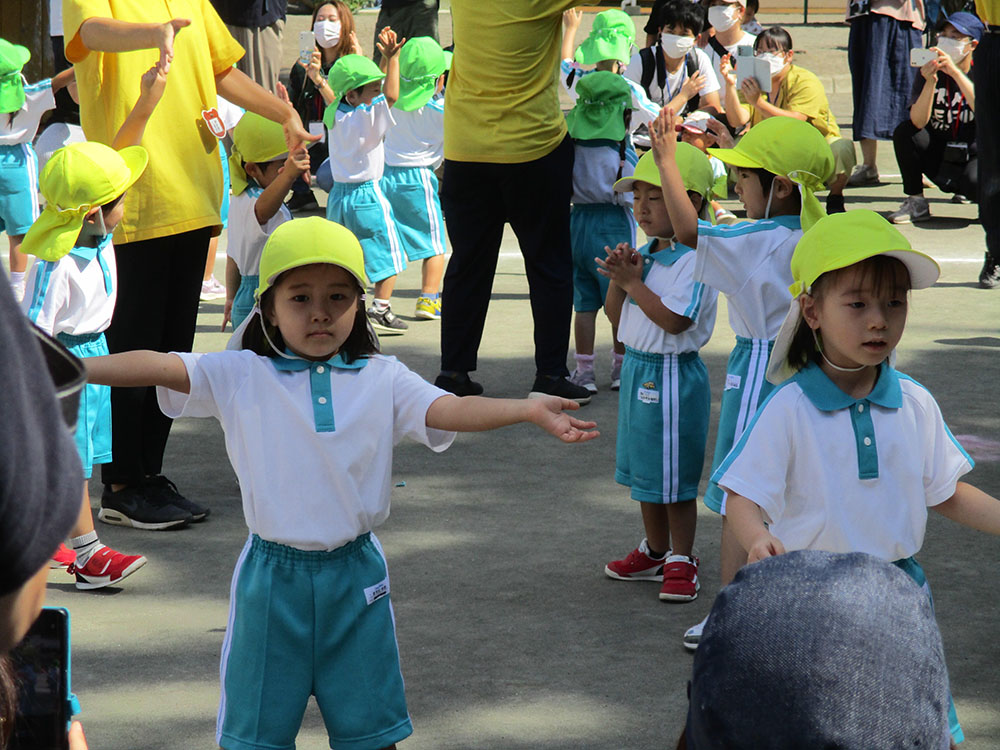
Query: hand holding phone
307, 45
919, 57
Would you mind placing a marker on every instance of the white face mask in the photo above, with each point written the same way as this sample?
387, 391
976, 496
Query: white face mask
774, 61
676, 46
951, 47
723, 17
327, 33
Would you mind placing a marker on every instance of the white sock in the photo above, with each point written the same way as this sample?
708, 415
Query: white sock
85, 546
17, 277
381, 305
584, 362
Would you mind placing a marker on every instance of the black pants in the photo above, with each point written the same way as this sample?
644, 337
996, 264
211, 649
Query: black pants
986, 59
159, 282
921, 152
478, 198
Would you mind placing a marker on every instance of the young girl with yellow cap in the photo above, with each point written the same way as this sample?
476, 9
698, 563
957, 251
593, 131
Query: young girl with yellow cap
663, 317
310, 611
72, 289
847, 454
21, 107
779, 163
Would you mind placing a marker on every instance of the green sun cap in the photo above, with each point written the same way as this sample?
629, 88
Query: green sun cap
602, 99
695, 169
790, 148
421, 63
611, 38
348, 73
255, 139
12, 59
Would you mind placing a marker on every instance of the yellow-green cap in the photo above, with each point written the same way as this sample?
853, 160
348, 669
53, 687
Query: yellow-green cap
695, 169
348, 73
611, 38
76, 179
790, 148
12, 59
255, 139
835, 242
302, 242
421, 63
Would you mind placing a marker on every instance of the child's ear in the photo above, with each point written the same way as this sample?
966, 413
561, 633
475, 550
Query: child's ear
809, 309
91, 214
783, 187
253, 170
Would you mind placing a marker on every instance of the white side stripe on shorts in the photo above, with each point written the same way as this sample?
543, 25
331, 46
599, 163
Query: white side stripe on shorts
227, 641
432, 212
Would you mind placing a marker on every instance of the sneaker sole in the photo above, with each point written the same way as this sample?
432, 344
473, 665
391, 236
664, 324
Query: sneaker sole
678, 597
611, 574
426, 315
385, 329
540, 394
117, 518
690, 645
86, 585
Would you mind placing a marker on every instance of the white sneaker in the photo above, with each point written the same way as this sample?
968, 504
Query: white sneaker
584, 379
914, 208
616, 375
692, 636
863, 175
17, 287
212, 290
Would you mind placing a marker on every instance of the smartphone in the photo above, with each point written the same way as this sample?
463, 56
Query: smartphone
307, 45
919, 56
749, 66
41, 668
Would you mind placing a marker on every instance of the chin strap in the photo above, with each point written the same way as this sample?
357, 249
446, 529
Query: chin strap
838, 368
263, 327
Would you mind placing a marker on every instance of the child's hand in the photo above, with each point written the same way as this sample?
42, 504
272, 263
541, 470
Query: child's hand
727, 70
356, 45
315, 68
751, 91
551, 416
623, 266
765, 546
723, 138
227, 314
152, 84
297, 161
692, 85
387, 43
663, 136
572, 19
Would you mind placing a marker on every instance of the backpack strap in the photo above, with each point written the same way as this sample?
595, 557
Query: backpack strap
646, 77
623, 145
717, 46
690, 67
661, 70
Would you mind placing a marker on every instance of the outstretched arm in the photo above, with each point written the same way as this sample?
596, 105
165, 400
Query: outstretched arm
389, 46
683, 217
139, 368
240, 89
747, 521
477, 414
112, 35
972, 507
151, 87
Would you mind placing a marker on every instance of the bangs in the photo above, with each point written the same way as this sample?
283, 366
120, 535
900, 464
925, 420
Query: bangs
883, 274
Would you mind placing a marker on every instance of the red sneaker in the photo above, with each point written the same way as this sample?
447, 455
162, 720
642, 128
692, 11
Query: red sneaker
64, 557
638, 566
105, 568
680, 579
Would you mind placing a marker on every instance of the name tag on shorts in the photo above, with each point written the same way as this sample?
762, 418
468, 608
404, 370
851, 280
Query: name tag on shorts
649, 396
376, 592
732, 382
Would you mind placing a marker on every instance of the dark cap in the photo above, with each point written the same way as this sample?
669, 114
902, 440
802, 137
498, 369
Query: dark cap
820, 650
967, 24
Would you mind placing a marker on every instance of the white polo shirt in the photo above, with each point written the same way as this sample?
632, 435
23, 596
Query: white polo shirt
312, 447
750, 263
674, 81
75, 294
840, 474
417, 138
246, 237
356, 151
644, 111
38, 99
668, 273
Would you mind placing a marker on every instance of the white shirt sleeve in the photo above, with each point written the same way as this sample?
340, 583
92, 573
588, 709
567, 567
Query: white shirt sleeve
566, 69
684, 297
644, 110
214, 378
945, 461
47, 296
41, 100
724, 262
705, 68
412, 396
365, 125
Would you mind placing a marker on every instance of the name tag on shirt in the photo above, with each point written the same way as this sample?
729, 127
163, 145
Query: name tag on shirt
649, 396
733, 382
376, 592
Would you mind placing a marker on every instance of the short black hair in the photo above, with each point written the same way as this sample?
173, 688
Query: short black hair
753, 6
767, 179
683, 13
776, 38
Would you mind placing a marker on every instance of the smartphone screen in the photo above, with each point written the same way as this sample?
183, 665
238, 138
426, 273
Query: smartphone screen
307, 45
40, 666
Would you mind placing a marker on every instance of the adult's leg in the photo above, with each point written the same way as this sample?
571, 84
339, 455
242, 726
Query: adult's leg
474, 217
914, 157
537, 200
987, 64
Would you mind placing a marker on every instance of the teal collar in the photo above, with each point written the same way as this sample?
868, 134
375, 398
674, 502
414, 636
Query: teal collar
88, 254
791, 221
297, 363
666, 256
320, 388
826, 396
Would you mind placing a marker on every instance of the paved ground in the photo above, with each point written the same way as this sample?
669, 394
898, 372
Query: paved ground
511, 636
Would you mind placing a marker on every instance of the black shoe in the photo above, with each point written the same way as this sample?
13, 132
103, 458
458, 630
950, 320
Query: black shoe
547, 385
462, 385
989, 277
167, 490
835, 204
302, 202
959, 198
141, 508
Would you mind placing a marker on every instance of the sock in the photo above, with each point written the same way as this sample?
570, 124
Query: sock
85, 546
380, 305
654, 554
427, 295
584, 362
17, 277
616, 358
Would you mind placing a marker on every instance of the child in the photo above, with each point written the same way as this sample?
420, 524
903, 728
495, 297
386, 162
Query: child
702, 130
414, 147
358, 120
847, 454
73, 288
262, 172
315, 487
727, 18
663, 317
676, 73
795, 92
21, 108
779, 164
750, 23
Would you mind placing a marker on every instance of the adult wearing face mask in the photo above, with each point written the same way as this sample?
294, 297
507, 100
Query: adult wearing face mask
408, 18
987, 62
726, 17
258, 26
939, 138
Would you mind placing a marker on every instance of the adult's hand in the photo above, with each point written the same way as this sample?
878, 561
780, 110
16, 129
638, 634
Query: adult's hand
164, 37
930, 70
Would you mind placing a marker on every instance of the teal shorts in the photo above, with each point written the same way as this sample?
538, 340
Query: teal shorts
243, 300
745, 390
311, 623
363, 208
413, 194
93, 422
18, 187
663, 409
592, 226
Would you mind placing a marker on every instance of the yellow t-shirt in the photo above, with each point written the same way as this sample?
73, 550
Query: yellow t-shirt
988, 11
802, 92
502, 100
181, 189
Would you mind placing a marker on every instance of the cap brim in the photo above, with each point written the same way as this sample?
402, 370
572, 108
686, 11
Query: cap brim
778, 370
624, 185
734, 157
136, 159
266, 284
924, 270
